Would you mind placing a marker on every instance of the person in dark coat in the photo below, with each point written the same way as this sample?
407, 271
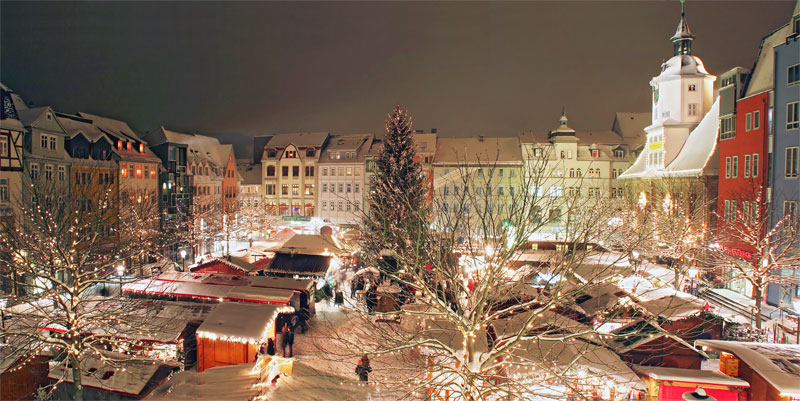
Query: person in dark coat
287, 340
338, 299
270, 347
372, 299
354, 286
363, 368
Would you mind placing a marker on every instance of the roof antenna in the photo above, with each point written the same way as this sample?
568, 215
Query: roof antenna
683, 7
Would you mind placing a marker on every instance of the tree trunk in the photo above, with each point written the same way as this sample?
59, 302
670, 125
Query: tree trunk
757, 297
676, 269
77, 391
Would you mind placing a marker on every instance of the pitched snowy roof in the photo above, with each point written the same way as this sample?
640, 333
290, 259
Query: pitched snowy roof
240, 321
287, 283
312, 244
304, 139
250, 174
120, 128
426, 143
235, 382
682, 65
135, 379
308, 382
9, 110
503, 150
694, 376
359, 143
74, 125
763, 76
261, 295
698, 155
776, 363
28, 116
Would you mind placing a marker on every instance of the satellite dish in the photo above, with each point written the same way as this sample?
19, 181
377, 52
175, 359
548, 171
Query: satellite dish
698, 394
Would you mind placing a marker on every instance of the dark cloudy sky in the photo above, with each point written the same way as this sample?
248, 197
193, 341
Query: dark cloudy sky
265, 67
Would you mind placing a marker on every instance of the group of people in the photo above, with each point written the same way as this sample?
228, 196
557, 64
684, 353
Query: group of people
285, 337
370, 287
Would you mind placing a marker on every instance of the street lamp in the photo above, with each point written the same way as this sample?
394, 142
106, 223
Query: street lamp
183, 258
120, 273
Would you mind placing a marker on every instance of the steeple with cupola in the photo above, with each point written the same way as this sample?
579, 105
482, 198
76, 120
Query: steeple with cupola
683, 93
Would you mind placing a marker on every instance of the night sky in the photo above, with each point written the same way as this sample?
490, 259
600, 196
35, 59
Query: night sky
265, 67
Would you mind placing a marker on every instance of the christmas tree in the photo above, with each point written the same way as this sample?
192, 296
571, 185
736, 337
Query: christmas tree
397, 205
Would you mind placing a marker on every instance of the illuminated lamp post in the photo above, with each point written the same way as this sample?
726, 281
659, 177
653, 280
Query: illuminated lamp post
120, 273
183, 259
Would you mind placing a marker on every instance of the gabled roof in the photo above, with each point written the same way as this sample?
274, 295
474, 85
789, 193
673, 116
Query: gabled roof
505, 150
29, 116
359, 143
250, 174
776, 363
200, 147
698, 155
112, 126
9, 110
74, 125
305, 139
631, 126
762, 78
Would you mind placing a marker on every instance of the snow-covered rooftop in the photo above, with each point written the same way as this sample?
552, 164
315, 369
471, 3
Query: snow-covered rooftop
694, 376
776, 363
236, 382
242, 322
210, 291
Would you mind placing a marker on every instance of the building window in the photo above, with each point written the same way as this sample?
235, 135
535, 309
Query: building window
270, 171
309, 189
341, 206
309, 171
692, 109
44, 141
341, 171
349, 171
756, 119
793, 75
792, 154
310, 152
333, 171
341, 188
48, 172
727, 213
295, 171
755, 165
324, 188
4, 146
735, 168
572, 173
324, 205
727, 127
349, 187
595, 153
563, 154
357, 171
34, 171
3, 189
748, 122
270, 189
728, 167
793, 115
619, 153
62, 173
284, 189
324, 171
290, 154
138, 171
692, 88
295, 189
285, 171
537, 152
358, 188
746, 166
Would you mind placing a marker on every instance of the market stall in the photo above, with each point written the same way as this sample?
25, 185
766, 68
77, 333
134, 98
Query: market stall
233, 332
669, 384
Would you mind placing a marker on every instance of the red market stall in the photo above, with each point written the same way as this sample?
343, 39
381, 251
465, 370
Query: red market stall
233, 332
669, 384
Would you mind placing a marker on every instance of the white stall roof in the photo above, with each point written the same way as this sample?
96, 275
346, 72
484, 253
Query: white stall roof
236, 382
713, 377
240, 321
776, 363
210, 291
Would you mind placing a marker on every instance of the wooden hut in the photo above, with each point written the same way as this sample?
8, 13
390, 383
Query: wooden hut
233, 332
773, 370
668, 384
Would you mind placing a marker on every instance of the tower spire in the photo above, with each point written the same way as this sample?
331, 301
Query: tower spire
682, 40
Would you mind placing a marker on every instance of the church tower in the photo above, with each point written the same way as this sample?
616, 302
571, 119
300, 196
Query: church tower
682, 95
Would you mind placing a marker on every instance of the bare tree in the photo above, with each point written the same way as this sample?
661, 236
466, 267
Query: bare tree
458, 315
670, 219
68, 248
755, 247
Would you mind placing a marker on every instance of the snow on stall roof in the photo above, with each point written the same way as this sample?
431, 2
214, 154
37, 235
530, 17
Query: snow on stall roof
694, 376
310, 383
312, 244
235, 382
210, 291
287, 283
101, 375
513, 325
248, 322
776, 363
574, 354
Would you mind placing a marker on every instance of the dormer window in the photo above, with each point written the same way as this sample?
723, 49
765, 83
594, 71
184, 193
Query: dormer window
310, 152
692, 88
141, 148
272, 153
290, 154
537, 152
595, 153
119, 145
619, 153
128, 145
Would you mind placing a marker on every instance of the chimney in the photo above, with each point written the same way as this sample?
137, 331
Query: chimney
433, 130
480, 138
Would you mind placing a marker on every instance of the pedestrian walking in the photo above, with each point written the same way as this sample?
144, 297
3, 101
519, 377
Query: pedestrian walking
363, 368
371, 299
338, 299
287, 340
270, 347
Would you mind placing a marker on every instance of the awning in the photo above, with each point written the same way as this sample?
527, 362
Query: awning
300, 264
